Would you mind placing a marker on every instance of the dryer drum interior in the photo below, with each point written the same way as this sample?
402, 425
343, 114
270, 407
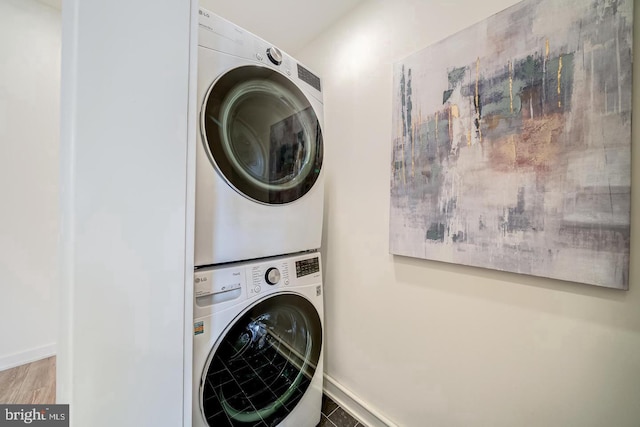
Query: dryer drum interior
262, 135
262, 366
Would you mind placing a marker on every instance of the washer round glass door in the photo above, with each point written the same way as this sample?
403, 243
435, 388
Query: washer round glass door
263, 135
262, 366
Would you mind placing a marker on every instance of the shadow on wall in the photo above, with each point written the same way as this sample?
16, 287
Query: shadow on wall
325, 223
325, 259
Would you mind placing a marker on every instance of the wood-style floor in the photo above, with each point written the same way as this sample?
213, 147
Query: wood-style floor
31, 384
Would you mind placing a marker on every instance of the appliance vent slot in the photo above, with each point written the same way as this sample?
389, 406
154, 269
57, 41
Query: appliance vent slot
307, 76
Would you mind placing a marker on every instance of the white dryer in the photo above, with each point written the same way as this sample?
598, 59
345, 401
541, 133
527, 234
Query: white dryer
260, 148
257, 351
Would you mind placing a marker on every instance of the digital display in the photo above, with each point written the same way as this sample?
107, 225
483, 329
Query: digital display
307, 76
307, 266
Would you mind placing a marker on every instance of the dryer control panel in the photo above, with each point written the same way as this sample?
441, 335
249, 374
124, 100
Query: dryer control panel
221, 35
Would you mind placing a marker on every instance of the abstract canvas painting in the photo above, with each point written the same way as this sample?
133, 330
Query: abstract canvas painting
512, 141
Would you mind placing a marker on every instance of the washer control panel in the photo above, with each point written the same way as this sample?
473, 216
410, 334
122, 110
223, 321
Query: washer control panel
267, 276
251, 279
210, 282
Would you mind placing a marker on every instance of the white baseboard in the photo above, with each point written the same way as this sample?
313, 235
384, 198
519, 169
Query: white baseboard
355, 406
24, 357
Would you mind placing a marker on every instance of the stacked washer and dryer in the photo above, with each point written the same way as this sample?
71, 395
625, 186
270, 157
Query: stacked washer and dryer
258, 309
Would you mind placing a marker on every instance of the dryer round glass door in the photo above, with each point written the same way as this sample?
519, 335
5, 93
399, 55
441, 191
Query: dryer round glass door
262, 134
261, 367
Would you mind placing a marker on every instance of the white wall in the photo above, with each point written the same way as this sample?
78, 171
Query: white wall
427, 343
127, 126
29, 140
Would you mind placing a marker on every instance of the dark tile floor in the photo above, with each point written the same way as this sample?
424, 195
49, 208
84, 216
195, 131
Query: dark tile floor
334, 416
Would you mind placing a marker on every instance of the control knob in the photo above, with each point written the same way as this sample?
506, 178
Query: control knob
272, 276
274, 55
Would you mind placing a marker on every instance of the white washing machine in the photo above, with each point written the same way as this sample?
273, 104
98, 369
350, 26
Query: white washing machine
260, 149
258, 333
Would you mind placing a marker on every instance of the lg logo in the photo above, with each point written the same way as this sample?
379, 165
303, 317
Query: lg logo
205, 14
